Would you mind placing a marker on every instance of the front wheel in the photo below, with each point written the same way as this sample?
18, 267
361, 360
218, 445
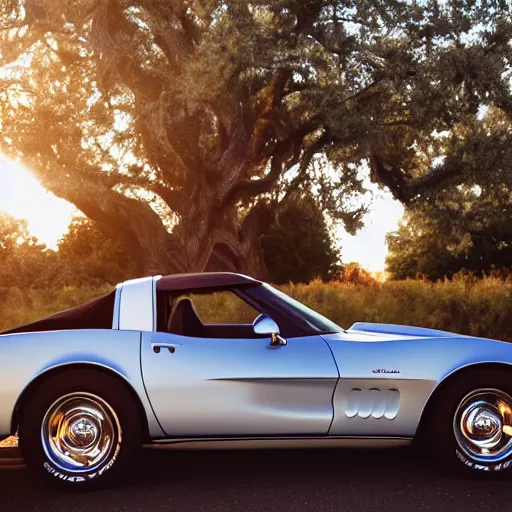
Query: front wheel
471, 427
80, 429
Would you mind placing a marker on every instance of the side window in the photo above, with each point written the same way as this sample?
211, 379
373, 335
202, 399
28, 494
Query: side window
218, 315
223, 308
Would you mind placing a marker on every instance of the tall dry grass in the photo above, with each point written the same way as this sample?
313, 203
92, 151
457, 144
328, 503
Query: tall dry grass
479, 307
19, 307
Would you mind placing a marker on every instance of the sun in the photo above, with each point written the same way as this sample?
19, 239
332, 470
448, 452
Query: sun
23, 197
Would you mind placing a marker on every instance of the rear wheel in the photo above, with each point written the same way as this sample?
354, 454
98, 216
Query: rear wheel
80, 429
471, 427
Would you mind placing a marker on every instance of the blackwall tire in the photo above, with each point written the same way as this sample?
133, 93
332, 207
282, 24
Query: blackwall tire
470, 429
80, 429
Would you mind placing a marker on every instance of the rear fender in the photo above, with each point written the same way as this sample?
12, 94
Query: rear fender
25, 359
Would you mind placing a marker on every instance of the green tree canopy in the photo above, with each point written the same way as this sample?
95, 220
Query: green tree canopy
86, 255
14, 237
93, 255
466, 228
167, 121
24, 261
297, 245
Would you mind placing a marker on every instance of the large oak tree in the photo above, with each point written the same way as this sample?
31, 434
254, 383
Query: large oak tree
467, 227
166, 120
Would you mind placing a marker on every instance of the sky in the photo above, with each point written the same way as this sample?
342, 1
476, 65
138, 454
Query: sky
48, 216
368, 246
23, 197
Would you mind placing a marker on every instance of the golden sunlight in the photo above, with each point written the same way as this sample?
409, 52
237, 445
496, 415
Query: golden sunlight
23, 197
48, 216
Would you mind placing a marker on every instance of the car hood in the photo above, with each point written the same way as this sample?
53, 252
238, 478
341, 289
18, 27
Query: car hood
372, 332
400, 330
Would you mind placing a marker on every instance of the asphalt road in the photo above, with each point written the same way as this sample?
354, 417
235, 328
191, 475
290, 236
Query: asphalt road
272, 480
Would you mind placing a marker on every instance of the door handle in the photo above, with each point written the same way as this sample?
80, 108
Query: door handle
159, 346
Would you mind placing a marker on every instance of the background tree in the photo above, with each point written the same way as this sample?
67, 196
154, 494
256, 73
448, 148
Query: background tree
462, 229
297, 245
86, 256
14, 236
93, 256
167, 121
24, 261
418, 249
355, 274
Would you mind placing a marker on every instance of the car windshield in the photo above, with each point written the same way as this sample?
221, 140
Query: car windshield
316, 320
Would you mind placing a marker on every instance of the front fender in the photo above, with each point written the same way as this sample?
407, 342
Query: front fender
25, 357
412, 369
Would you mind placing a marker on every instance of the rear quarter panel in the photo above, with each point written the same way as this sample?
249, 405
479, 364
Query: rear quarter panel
24, 357
422, 363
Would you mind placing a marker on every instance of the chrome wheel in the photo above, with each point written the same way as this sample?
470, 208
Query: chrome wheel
483, 425
80, 432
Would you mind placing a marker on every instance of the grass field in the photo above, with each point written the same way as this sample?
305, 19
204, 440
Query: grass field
480, 307
18, 307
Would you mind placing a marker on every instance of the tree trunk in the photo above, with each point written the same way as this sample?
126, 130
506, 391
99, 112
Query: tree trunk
205, 239
239, 251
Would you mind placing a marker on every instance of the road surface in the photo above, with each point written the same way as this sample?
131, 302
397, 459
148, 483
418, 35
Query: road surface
320, 480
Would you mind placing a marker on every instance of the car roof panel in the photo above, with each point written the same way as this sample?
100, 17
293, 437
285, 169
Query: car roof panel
205, 281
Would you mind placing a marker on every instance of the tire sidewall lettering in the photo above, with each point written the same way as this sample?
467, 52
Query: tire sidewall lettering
69, 477
501, 466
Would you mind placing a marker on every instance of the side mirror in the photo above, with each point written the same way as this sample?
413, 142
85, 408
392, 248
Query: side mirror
265, 326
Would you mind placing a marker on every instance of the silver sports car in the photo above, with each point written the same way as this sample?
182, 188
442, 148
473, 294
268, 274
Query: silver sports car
86, 388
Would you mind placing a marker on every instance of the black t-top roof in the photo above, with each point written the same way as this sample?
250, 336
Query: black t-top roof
204, 281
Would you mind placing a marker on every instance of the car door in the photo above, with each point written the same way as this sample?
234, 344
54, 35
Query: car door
212, 387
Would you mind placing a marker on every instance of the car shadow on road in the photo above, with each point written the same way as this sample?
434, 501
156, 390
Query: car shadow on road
281, 480
283, 465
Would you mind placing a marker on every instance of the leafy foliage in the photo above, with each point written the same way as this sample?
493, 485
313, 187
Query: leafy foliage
94, 255
24, 262
167, 121
297, 245
355, 274
86, 257
467, 228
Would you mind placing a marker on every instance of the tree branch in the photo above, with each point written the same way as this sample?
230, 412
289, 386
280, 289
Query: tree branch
308, 155
251, 188
406, 192
137, 225
172, 198
401, 122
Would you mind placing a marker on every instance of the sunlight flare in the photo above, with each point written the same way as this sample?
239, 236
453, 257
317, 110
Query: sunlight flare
23, 197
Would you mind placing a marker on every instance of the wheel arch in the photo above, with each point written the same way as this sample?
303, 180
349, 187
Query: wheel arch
40, 379
446, 382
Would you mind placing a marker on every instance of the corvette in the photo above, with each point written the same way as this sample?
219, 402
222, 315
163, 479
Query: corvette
84, 389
